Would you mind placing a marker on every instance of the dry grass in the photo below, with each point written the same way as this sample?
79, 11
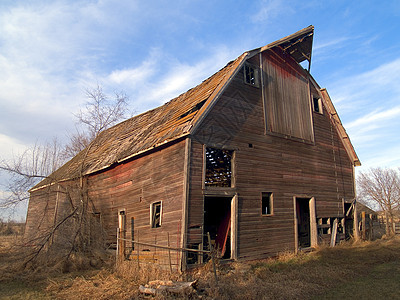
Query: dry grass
348, 271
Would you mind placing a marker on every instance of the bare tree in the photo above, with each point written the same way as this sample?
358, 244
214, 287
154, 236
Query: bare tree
27, 169
40, 161
101, 112
381, 187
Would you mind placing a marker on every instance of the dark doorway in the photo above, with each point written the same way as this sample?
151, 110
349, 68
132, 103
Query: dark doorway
217, 221
303, 222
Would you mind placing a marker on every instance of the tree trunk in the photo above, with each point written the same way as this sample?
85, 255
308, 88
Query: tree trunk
387, 223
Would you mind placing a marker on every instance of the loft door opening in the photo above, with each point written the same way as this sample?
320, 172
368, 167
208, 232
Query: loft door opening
217, 221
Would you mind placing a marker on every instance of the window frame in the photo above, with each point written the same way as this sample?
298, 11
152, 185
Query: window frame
319, 102
256, 76
230, 169
152, 205
270, 204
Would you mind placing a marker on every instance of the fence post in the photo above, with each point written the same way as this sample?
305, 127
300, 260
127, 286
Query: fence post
355, 222
137, 250
169, 255
212, 257
117, 252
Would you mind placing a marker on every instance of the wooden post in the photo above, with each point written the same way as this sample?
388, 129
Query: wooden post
296, 227
133, 233
185, 207
137, 250
212, 257
355, 222
169, 255
313, 223
121, 241
371, 227
364, 227
334, 232
117, 252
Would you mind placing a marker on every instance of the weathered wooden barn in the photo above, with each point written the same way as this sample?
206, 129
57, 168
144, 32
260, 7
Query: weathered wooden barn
255, 155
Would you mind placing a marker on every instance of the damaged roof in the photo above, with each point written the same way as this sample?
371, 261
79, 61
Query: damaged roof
146, 131
169, 122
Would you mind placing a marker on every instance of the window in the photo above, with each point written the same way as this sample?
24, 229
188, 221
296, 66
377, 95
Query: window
218, 167
251, 75
266, 203
317, 105
155, 214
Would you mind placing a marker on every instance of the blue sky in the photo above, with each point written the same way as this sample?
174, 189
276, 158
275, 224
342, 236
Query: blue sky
51, 51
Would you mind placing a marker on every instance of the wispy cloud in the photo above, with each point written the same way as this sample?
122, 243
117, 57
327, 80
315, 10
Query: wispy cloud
136, 77
50, 52
369, 87
180, 76
333, 43
270, 9
15, 147
368, 103
160, 77
372, 119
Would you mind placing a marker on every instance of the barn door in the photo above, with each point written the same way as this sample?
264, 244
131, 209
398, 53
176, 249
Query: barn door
305, 222
218, 222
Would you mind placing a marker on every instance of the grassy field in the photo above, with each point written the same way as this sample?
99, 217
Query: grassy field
367, 270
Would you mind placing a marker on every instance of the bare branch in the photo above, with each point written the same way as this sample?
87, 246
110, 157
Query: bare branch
26, 170
101, 112
381, 187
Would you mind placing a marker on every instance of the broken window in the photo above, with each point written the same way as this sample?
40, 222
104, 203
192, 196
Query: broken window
266, 203
317, 105
218, 167
251, 75
155, 214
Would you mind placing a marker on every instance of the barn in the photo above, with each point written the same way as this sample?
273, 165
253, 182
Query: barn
256, 156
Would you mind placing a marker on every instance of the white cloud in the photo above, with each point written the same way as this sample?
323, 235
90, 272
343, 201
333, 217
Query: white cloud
370, 86
161, 77
270, 9
12, 145
137, 76
374, 118
368, 103
333, 43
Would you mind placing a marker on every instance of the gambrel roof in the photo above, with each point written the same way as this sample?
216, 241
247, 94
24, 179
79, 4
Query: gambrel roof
174, 120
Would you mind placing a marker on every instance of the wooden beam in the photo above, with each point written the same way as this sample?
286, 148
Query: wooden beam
313, 223
185, 200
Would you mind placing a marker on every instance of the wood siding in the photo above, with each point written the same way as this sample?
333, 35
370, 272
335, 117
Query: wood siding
269, 163
132, 187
